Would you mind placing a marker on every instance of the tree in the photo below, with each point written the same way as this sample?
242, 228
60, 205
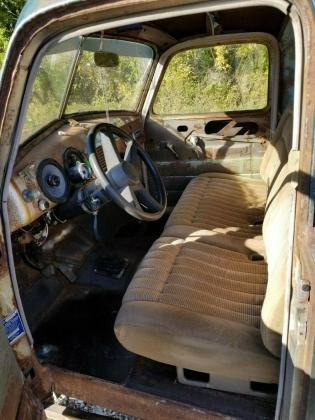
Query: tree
230, 77
9, 12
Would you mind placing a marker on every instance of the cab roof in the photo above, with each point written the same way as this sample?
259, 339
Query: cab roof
36, 7
252, 18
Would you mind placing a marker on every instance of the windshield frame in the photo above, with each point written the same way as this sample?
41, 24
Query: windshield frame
63, 103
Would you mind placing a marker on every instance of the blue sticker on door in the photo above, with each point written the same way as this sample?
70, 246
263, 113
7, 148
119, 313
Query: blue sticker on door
13, 326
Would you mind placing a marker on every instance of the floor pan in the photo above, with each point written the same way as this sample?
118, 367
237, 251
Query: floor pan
80, 337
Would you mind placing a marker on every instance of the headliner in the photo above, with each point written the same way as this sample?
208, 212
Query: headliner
250, 19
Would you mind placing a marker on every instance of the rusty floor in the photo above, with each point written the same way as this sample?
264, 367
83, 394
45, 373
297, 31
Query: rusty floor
78, 332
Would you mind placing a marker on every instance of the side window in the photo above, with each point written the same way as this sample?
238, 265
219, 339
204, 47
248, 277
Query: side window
215, 79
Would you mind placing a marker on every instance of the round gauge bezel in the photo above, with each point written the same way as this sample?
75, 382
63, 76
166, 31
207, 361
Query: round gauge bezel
82, 155
46, 190
82, 158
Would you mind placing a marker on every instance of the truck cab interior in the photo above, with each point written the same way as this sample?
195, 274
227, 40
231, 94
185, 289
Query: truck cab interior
151, 205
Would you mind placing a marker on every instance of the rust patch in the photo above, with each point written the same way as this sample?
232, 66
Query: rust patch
30, 406
23, 354
21, 347
7, 301
124, 400
42, 382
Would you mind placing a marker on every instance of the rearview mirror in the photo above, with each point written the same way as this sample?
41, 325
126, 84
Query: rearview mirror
106, 59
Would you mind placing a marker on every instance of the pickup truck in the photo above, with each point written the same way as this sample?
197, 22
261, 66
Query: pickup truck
157, 231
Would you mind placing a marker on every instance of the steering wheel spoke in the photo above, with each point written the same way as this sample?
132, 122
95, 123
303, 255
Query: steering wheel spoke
111, 154
130, 196
147, 200
129, 151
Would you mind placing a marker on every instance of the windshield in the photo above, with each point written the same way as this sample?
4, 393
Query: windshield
49, 87
70, 80
119, 87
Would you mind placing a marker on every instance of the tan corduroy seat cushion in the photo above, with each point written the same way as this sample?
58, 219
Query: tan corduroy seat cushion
197, 311
208, 296
230, 204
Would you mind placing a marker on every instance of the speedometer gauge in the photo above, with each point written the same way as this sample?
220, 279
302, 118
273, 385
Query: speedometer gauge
76, 165
53, 181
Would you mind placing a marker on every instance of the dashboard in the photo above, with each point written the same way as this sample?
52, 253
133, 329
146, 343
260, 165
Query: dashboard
52, 167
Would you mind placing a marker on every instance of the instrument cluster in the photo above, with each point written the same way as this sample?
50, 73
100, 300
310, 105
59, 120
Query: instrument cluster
52, 182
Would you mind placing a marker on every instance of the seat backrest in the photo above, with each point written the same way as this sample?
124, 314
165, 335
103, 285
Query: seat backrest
277, 151
276, 234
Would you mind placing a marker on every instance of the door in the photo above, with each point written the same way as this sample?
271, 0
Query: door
212, 111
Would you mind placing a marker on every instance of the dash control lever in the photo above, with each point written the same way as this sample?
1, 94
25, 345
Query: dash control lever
171, 148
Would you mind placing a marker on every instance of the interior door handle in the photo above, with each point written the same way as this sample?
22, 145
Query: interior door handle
171, 148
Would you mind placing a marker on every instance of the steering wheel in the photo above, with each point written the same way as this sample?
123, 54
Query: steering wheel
121, 181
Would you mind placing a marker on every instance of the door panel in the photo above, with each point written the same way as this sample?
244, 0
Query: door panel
183, 148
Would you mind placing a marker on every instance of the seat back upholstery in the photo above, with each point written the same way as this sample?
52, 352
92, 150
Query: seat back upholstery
275, 170
277, 152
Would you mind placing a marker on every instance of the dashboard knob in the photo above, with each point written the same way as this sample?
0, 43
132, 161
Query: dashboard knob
43, 204
29, 195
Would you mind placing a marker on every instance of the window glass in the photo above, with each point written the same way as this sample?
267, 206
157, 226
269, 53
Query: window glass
66, 77
49, 87
118, 87
215, 79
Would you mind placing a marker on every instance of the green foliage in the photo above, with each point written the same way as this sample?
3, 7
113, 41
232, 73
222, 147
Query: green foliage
98, 88
92, 89
9, 12
223, 78
3, 44
48, 91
